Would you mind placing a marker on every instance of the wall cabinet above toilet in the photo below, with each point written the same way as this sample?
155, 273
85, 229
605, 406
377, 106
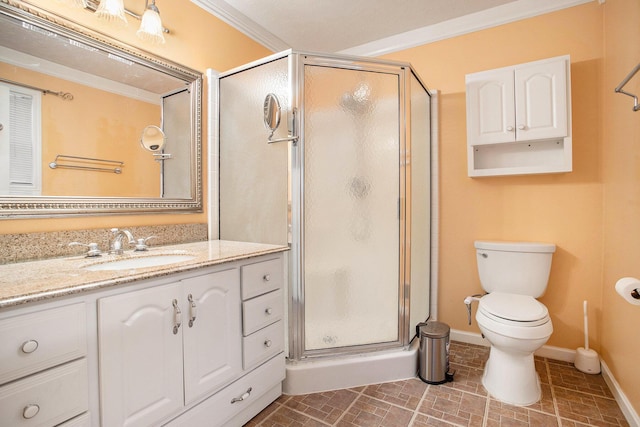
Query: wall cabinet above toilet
519, 119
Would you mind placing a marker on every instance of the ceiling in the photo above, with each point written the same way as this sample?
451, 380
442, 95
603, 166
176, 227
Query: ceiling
369, 27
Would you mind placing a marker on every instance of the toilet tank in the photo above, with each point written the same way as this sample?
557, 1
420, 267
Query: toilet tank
514, 267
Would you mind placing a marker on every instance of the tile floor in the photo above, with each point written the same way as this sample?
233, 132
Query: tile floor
569, 399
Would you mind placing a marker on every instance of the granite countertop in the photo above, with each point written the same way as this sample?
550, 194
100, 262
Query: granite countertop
25, 282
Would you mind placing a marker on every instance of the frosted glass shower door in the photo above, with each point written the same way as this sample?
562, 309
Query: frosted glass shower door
351, 225
254, 180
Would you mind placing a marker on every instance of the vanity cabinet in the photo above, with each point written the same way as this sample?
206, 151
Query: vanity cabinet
519, 119
262, 358
183, 350
163, 347
43, 368
201, 345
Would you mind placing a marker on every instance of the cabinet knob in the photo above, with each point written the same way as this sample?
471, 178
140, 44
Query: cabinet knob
266, 277
509, 128
267, 343
29, 346
268, 311
30, 411
522, 127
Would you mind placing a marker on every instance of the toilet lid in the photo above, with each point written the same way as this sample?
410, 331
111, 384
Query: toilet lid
513, 308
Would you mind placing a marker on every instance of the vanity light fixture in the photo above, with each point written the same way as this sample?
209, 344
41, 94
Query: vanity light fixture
151, 28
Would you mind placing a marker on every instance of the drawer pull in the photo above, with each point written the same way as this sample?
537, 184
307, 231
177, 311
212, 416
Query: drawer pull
243, 397
269, 311
192, 310
30, 411
267, 343
29, 346
266, 277
177, 315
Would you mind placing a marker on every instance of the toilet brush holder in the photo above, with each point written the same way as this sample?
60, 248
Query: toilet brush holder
587, 360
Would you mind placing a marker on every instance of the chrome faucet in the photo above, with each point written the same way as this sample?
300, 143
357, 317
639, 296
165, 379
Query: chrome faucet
116, 243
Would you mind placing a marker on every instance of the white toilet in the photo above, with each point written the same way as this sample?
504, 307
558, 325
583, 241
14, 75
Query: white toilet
510, 317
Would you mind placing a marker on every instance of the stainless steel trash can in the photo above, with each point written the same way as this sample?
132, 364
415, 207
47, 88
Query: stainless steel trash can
433, 359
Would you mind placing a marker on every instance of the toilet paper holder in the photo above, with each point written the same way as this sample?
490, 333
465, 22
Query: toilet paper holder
629, 289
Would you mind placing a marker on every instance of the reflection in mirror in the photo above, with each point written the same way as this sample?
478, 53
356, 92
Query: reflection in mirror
116, 92
152, 138
271, 113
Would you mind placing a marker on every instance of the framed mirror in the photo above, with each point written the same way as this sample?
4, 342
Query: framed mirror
91, 105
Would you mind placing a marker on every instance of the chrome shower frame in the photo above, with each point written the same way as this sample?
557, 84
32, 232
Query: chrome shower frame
295, 293
296, 297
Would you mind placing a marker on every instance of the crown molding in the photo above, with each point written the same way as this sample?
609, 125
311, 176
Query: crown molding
500, 15
250, 28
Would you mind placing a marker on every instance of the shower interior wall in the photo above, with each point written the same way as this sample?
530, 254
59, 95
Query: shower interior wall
265, 193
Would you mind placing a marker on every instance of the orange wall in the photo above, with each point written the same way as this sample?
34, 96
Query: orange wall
621, 174
197, 40
565, 209
80, 128
591, 214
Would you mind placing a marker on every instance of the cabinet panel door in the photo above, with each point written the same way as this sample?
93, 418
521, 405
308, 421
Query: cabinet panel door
541, 100
212, 342
140, 357
490, 107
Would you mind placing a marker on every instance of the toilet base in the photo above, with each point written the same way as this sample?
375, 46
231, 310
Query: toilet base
511, 377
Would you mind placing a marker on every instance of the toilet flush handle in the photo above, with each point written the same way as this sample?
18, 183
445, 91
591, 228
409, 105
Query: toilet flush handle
468, 301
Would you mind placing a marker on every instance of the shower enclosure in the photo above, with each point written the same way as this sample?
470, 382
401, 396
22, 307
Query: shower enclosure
348, 189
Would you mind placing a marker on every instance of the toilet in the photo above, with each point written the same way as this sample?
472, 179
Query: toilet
516, 324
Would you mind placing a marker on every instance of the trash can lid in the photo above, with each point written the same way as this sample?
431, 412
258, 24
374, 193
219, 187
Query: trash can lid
434, 330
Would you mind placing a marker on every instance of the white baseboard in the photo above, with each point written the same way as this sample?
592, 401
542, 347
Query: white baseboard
566, 355
625, 405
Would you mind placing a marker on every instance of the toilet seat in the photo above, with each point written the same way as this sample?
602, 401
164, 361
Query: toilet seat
513, 309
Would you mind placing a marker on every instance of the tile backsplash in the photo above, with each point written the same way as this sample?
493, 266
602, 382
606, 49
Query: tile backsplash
34, 246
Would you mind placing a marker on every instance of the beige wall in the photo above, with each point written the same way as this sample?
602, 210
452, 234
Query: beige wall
591, 214
198, 40
620, 321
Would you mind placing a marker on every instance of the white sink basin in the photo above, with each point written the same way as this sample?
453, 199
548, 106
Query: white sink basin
139, 262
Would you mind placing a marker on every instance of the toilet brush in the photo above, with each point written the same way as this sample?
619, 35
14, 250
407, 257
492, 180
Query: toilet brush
587, 360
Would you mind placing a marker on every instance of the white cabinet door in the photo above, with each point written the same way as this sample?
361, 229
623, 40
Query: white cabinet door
541, 100
140, 356
212, 341
490, 107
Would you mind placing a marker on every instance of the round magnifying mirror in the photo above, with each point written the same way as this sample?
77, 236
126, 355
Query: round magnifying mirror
152, 138
271, 112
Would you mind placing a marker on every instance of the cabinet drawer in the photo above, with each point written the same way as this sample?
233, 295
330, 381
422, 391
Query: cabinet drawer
36, 341
261, 311
261, 277
83, 420
46, 399
220, 407
262, 344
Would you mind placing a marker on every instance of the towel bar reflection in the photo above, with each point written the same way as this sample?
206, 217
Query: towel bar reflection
618, 89
93, 164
